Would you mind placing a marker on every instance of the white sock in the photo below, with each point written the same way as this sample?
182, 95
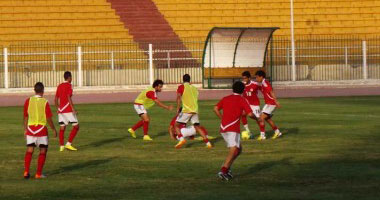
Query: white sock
246, 128
68, 144
262, 134
277, 131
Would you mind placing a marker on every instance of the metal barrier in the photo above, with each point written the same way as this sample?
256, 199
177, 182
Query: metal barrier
115, 63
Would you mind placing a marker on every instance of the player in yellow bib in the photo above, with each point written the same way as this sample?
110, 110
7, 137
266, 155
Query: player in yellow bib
188, 95
145, 100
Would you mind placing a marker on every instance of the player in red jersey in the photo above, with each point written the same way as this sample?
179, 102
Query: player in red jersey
250, 93
66, 112
144, 101
271, 104
37, 114
187, 132
233, 107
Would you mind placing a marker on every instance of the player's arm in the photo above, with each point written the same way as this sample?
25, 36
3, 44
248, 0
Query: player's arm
159, 103
275, 99
51, 124
179, 97
71, 104
56, 102
217, 112
171, 133
25, 124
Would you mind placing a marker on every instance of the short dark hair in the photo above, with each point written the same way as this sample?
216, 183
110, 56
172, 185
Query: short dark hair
238, 87
39, 87
157, 83
247, 74
186, 78
67, 75
260, 73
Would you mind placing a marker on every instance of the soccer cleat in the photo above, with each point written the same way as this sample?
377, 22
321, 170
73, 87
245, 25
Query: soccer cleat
276, 135
180, 144
40, 176
229, 173
132, 132
209, 145
147, 138
224, 177
61, 148
261, 137
245, 135
26, 175
71, 148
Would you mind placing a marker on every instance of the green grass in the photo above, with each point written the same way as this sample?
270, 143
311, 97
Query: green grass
330, 150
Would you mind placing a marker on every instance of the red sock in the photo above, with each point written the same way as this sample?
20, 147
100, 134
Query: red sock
224, 170
73, 133
146, 128
41, 163
205, 131
274, 128
262, 127
28, 159
244, 119
138, 125
61, 137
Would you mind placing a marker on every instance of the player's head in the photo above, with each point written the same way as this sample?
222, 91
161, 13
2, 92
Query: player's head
67, 76
186, 78
246, 76
260, 75
39, 88
238, 87
157, 85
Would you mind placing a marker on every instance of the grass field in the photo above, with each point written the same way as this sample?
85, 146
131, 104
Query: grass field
330, 150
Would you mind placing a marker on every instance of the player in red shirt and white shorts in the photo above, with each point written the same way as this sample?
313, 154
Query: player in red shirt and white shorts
187, 132
37, 135
66, 112
250, 93
233, 107
271, 104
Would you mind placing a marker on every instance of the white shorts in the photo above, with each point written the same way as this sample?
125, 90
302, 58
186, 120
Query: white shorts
188, 131
185, 117
269, 109
65, 118
232, 139
36, 141
256, 111
140, 109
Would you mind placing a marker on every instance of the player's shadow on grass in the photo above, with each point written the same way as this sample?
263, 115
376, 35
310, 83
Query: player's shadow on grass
265, 165
104, 142
162, 133
79, 166
290, 131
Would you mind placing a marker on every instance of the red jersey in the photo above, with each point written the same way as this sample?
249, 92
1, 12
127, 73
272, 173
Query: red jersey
266, 88
172, 123
250, 93
233, 107
64, 91
181, 89
37, 131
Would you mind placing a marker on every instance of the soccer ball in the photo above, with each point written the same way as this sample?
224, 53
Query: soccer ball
245, 135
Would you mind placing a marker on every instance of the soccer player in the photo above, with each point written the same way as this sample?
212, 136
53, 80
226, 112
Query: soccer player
37, 114
250, 93
66, 112
271, 104
186, 132
233, 107
146, 99
188, 94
